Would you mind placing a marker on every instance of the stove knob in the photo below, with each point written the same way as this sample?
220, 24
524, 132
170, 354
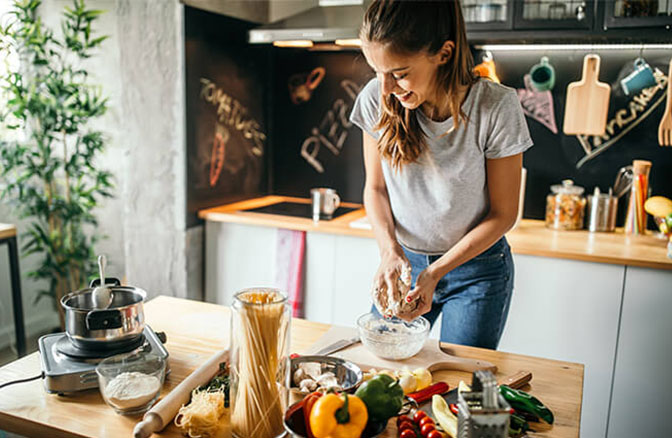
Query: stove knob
162, 337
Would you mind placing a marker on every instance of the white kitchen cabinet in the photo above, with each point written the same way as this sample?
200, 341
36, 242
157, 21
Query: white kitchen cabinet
236, 257
338, 269
568, 310
642, 390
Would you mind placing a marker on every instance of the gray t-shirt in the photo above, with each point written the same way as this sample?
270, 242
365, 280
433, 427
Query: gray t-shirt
444, 194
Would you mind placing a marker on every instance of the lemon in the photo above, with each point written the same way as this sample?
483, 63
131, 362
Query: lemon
658, 206
423, 378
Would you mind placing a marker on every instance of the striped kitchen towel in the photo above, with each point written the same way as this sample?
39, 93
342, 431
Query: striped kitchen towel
289, 260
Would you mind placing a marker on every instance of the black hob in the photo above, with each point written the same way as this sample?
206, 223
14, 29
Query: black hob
298, 209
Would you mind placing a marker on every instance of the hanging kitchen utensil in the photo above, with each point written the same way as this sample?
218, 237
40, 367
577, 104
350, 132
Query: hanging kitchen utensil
665, 127
623, 181
102, 295
587, 101
487, 68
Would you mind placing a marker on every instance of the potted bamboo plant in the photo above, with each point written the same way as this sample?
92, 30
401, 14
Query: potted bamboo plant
49, 171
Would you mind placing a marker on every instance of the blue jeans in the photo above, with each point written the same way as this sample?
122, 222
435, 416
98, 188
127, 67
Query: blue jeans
472, 299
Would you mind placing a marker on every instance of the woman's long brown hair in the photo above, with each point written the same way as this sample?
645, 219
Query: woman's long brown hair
409, 27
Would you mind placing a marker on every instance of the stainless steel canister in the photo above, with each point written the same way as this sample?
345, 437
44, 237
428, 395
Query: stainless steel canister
602, 209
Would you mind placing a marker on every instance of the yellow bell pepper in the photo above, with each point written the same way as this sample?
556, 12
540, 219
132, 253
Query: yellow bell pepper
338, 416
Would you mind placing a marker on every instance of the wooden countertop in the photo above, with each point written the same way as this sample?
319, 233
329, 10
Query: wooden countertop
531, 237
196, 330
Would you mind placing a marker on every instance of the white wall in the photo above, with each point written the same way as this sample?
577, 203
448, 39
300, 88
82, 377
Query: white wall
141, 70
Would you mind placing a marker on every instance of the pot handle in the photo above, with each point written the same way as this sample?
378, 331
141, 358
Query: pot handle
103, 319
109, 281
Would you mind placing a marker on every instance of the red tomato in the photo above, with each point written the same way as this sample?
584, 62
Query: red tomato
401, 418
405, 425
424, 430
419, 415
425, 420
434, 434
408, 433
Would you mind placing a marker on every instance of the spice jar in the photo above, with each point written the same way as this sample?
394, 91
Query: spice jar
260, 320
565, 206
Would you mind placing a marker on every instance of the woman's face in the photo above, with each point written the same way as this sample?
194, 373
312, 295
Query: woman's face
411, 79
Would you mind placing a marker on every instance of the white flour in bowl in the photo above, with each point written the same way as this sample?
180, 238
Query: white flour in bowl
131, 390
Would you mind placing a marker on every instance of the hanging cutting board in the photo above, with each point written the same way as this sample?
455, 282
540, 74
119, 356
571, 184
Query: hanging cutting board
431, 356
587, 101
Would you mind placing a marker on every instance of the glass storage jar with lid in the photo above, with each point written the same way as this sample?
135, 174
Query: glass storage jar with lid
565, 206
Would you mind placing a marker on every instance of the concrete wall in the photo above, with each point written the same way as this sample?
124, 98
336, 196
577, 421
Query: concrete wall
141, 69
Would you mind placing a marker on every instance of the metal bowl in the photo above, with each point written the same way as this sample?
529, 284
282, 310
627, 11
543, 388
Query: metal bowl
295, 424
348, 375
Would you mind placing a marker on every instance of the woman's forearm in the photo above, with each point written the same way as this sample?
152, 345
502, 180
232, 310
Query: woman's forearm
378, 211
480, 238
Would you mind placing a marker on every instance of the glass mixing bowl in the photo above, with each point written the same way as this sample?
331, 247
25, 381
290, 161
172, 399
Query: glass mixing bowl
392, 338
131, 383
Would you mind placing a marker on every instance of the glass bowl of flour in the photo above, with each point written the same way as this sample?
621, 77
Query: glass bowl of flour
392, 338
131, 383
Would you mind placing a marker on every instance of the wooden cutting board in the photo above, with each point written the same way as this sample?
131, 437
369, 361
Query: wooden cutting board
587, 101
431, 356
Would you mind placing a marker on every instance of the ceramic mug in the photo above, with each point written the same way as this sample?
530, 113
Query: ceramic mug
641, 77
324, 202
542, 75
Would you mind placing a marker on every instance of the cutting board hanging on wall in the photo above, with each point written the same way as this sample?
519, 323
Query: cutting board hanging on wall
587, 101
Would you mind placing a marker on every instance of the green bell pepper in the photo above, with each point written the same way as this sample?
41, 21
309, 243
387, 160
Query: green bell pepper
524, 402
383, 397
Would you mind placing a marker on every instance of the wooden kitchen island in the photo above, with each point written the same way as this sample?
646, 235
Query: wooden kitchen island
196, 330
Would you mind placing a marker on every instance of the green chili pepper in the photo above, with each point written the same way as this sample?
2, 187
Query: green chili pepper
382, 396
517, 425
522, 401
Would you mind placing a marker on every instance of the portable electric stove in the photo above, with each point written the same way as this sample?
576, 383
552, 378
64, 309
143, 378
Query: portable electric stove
70, 369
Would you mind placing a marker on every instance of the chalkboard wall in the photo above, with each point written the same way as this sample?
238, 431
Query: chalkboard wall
300, 100
314, 144
227, 138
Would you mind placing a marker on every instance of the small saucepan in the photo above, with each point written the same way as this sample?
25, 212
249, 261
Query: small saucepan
116, 326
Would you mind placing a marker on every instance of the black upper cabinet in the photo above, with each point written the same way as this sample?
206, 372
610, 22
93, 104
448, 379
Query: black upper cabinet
553, 14
488, 15
584, 21
638, 14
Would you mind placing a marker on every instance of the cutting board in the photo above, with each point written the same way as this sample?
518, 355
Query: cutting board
430, 357
587, 101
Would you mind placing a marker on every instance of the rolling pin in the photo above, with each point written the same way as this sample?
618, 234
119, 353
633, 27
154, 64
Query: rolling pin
164, 411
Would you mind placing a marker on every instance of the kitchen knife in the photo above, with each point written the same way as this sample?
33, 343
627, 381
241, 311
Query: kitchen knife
337, 346
515, 381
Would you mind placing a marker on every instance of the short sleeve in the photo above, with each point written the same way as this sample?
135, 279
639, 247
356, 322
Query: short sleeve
508, 133
366, 110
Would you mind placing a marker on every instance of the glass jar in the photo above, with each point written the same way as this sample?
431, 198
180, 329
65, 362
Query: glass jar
635, 218
565, 206
260, 321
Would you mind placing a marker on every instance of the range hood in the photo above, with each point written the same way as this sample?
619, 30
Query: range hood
330, 21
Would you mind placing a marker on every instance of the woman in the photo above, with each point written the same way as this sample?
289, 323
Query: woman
443, 156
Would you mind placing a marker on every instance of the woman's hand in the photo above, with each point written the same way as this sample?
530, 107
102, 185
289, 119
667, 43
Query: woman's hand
422, 294
388, 281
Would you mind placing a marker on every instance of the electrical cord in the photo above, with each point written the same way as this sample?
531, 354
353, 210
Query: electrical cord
40, 376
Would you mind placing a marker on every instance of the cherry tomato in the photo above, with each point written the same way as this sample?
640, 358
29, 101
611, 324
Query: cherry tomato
419, 415
408, 433
425, 420
401, 418
424, 430
405, 425
434, 434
